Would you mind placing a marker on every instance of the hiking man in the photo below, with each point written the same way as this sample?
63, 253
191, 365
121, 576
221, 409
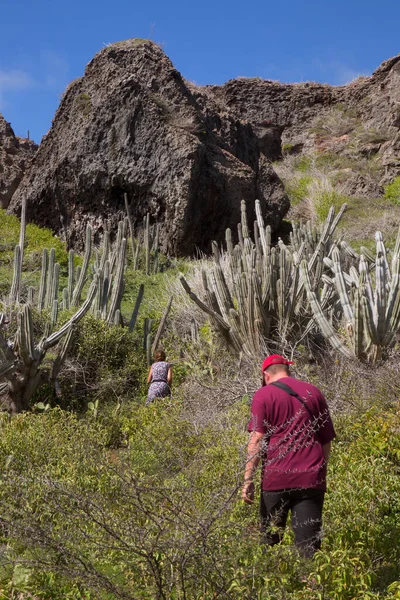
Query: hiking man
291, 430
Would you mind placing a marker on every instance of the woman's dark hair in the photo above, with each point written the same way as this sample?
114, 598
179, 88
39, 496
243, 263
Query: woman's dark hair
159, 355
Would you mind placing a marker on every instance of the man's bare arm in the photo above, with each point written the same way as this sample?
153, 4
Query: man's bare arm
253, 458
326, 449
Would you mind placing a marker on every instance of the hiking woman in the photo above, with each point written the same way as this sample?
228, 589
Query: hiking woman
160, 378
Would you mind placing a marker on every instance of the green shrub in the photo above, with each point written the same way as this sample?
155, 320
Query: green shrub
84, 104
287, 148
392, 191
324, 200
303, 163
297, 189
335, 121
108, 363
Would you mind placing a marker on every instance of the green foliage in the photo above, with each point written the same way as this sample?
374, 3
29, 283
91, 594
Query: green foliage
109, 365
365, 492
297, 189
36, 239
84, 104
287, 148
162, 517
303, 163
156, 292
392, 191
336, 121
325, 199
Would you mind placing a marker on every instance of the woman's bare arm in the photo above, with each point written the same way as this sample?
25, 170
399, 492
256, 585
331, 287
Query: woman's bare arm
150, 375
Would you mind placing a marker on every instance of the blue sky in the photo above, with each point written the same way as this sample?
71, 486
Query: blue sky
44, 44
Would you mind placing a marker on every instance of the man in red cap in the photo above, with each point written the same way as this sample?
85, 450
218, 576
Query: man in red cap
291, 429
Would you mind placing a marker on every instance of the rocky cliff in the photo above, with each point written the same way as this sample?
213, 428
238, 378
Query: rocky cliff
15, 155
133, 125
189, 154
306, 115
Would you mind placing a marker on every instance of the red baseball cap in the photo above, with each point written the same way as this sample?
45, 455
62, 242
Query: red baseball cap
275, 359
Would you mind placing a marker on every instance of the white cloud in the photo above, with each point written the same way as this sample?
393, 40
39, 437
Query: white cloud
335, 72
48, 71
13, 80
300, 70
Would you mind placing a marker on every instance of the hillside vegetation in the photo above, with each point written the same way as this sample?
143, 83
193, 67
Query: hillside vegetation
104, 498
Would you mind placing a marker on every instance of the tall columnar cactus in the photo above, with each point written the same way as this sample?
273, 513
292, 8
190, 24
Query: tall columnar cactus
81, 279
265, 300
21, 360
161, 327
118, 287
148, 241
131, 228
18, 258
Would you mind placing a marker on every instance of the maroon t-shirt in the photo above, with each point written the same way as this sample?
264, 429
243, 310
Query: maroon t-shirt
292, 446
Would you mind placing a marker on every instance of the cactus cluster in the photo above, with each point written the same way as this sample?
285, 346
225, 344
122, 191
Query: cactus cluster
150, 244
363, 316
278, 295
21, 362
266, 300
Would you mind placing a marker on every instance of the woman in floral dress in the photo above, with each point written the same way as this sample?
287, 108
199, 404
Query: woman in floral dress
160, 378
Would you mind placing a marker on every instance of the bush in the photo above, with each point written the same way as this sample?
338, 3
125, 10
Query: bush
392, 191
297, 188
107, 364
334, 122
324, 200
162, 519
287, 148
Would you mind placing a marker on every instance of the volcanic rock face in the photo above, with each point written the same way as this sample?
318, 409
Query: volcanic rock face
189, 154
133, 125
15, 155
291, 110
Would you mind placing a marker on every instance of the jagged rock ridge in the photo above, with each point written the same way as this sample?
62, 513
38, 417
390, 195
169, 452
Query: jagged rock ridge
190, 154
15, 155
133, 125
291, 110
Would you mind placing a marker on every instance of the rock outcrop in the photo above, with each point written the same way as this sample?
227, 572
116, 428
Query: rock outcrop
370, 107
132, 124
15, 155
187, 154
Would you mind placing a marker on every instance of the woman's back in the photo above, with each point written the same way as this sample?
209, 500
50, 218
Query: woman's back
159, 381
160, 371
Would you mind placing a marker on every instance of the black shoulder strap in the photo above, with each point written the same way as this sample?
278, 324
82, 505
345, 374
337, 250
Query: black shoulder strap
286, 388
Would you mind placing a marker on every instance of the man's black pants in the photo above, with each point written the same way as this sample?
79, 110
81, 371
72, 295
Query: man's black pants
306, 507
